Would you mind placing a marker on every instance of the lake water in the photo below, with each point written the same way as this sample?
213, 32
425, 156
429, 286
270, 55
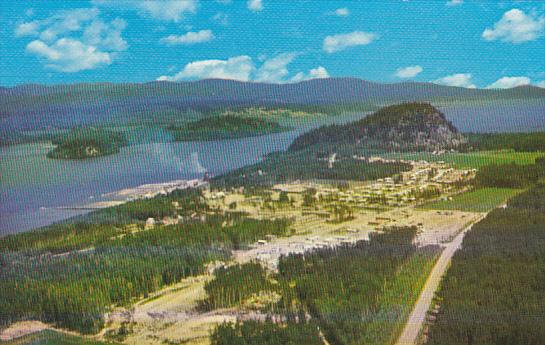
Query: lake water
32, 186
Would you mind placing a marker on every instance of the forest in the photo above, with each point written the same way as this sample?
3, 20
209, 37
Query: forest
519, 142
493, 292
306, 165
82, 143
224, 127
70, 274
269, 333
510, 175
356, 293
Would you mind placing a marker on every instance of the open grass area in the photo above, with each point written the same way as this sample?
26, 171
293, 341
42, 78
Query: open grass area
48, 337
479, 200
471, 159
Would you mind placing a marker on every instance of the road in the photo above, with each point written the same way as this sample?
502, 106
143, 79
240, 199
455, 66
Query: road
416, 320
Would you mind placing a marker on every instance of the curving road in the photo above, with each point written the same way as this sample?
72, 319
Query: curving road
416, 320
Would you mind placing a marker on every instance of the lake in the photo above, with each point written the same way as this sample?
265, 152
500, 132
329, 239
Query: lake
32, 186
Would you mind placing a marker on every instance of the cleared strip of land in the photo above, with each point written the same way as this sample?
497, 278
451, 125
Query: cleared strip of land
417, 318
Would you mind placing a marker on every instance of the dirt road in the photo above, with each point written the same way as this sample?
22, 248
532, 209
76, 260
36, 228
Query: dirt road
416, 320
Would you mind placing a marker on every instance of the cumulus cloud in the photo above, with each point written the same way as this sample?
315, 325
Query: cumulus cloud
27, 29
459, 79
409, 71
342, 12
74, 40
243, 68
236, 68
541, 84
509, 82
166, 10
454, 2
171, 10
189, 38
255, 5
515, 26
340, 42
316, 73
275, 69
68, 55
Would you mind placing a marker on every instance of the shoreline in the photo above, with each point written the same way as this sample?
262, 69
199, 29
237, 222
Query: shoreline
145, 191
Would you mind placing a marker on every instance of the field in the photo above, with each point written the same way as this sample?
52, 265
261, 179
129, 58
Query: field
479, 200
475, 160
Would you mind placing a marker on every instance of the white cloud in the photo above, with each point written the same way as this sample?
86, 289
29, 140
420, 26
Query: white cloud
540, 84
342, 12
63, 22
27, 29
68, 55
236, 68
221, 18
166, 10
516, 27
169, 10
189, 38
459, 79
243, 68
409, 71
107, 36
74, 40
255, 5
509, 82
454, 2
316, 73
274, 70
340, 42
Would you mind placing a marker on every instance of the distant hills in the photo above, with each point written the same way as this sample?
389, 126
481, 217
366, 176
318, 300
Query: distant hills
407, 126
66, 105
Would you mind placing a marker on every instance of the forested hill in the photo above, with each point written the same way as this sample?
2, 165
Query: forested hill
403, 126
38, 106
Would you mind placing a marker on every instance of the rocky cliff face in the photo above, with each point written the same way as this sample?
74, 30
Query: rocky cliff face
407, 126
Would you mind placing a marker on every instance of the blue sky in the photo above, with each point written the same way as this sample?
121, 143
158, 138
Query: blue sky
456, 42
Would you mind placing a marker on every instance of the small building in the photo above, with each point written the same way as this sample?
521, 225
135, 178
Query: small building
150, 223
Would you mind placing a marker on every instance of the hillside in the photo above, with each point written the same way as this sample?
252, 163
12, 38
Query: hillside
34, 106
407, 126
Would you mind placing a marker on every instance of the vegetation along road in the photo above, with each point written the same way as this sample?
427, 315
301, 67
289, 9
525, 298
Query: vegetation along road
416, 320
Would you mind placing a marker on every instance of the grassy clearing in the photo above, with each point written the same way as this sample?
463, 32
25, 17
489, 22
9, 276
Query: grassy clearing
479, 200
471, 160
53, 338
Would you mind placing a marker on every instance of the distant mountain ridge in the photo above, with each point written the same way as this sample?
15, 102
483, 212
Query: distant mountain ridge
328, 90
407, 126
64, 105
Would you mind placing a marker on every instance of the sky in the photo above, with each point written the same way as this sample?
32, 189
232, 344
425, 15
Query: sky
474, 44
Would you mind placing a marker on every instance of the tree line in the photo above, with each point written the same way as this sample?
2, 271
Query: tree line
493, 291
353, 294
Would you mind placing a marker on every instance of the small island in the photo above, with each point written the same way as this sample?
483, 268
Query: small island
84, 143
224, 127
